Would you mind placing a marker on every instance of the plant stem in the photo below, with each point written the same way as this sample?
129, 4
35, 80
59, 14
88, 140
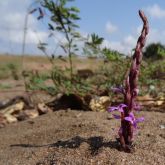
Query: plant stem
131, 90
69, 44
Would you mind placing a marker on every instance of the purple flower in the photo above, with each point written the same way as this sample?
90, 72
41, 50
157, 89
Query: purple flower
140, 119
117, 108
118, 90
131, 118
116, 116
135, 92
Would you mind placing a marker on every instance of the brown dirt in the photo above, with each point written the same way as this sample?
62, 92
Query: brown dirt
80, 138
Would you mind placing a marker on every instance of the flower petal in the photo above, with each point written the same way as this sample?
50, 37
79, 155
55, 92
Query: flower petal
140, 119
120, 109
116, 116
111, 109
132, 116
118, 90
135, 92
129, 119
122, 105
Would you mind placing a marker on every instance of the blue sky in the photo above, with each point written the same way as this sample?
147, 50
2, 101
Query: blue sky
117, 21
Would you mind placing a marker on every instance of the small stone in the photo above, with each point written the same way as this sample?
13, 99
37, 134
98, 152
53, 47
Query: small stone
3, 121
26, 114
10, 118
43, 109
162, 126
100, 104
13, 109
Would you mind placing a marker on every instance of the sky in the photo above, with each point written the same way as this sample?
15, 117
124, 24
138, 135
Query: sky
116, 21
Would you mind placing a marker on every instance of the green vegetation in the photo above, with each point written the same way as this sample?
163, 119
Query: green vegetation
63, 20
92, 46
104, 77
8, 70
5, 86
155, 51
111, 55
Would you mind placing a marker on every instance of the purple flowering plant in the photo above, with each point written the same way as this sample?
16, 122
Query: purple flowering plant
130, 91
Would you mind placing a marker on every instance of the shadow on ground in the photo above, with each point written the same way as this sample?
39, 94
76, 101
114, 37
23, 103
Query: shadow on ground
95, 144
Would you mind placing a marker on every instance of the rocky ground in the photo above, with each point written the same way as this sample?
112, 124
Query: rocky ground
70, 137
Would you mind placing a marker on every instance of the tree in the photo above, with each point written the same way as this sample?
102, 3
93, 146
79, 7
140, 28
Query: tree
155, 51
92, 45
111, 55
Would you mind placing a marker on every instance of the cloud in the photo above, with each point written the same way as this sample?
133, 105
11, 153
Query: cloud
155, 35
124, 46
155, 11
120, 46
110, 28
128, 42
13, 14
12, 26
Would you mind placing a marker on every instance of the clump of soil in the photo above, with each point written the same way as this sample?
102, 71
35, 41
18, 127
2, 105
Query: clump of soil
79, 137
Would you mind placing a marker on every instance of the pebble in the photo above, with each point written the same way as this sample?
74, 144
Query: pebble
162, 126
